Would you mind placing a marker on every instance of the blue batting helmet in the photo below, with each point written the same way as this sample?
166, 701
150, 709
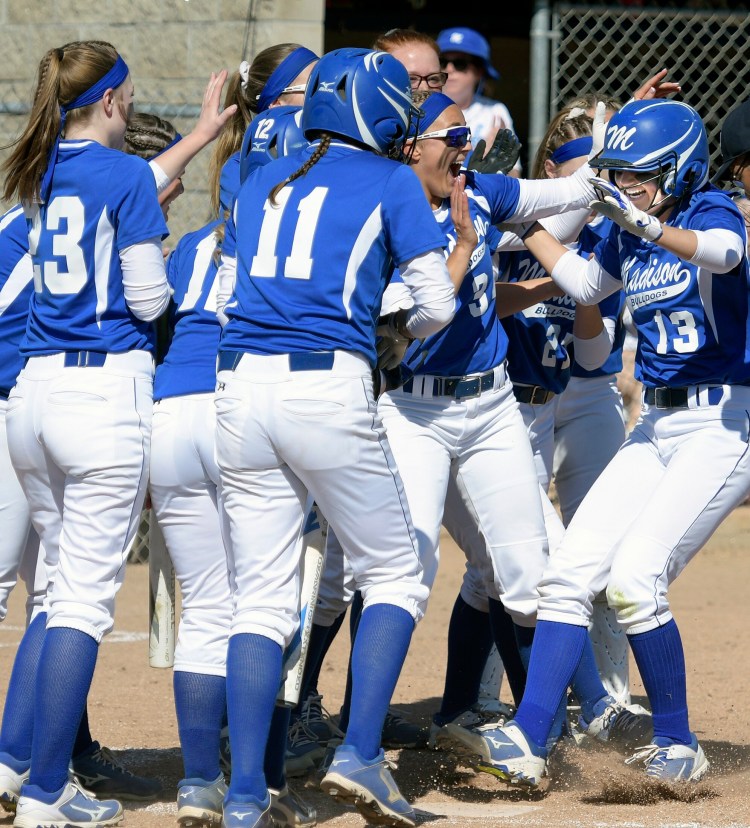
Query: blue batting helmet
660, 135
273, 134
361, 95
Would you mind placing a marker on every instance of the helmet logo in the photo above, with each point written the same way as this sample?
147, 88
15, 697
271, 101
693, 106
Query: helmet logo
326, 86
620, 137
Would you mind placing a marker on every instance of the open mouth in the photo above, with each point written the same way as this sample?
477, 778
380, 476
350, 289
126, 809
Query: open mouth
634, 193
455, 168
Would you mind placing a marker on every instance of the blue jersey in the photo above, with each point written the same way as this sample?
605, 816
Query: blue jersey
692, 324
16, 287
311, 271
540, 350
102, 201
475, 340
190, 364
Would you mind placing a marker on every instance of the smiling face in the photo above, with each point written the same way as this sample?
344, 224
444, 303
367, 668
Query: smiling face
642, 188
436, 164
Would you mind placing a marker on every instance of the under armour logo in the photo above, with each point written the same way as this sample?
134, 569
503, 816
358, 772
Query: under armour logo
220, 386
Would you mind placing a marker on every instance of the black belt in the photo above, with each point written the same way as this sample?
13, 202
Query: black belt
667, 397
532, 394
457, 387
304, 361
4, 393
85, 359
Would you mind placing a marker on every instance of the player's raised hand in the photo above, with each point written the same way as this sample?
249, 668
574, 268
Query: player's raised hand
598, 130
212, 118
466, 234
656, 87
613, 204
501, 156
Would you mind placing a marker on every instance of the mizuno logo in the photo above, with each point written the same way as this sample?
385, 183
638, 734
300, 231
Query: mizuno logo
258, 146
326, 86
337, 762
393, 792
95, 812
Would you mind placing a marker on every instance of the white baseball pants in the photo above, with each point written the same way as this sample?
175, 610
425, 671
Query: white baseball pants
679, 474
183, 483
79, 441
282, 433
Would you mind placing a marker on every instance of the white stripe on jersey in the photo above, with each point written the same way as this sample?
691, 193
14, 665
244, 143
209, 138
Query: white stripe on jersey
368, 235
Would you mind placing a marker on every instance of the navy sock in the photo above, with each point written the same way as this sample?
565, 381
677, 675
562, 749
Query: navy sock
355, 613
253, 678
587, 683
378, 655
469, 644
66, 667
18, 716
83, 737
507, 643
554, 657
200, 702
273, 765
321, 639
661, 662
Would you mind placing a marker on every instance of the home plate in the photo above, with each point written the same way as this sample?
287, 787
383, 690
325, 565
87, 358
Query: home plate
472, 810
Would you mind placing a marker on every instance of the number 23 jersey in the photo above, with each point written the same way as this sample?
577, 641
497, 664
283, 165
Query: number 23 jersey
692, 324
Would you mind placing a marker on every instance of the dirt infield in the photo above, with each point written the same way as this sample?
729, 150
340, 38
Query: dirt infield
132, 711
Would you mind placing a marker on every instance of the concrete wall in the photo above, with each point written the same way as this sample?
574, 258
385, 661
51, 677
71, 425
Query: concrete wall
171, 47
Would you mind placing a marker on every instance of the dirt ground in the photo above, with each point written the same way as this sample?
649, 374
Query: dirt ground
132, 711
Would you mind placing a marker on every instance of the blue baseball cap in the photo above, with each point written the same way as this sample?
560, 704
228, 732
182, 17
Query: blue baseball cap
470, 43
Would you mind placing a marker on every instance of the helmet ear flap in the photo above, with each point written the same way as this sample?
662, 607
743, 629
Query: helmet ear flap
668, 182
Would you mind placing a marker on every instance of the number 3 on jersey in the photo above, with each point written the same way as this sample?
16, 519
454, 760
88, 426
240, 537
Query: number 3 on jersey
298, 265
64, 245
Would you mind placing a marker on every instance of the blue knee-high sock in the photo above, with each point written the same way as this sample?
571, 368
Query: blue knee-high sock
355, 613
200, 702
661, 663
555, 655
378, 655
508, 645
273, 765
321, 639
469, 644
587, 683
66, 667
253, 677
18, 715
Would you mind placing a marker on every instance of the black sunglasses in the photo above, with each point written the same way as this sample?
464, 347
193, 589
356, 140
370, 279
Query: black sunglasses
460, 64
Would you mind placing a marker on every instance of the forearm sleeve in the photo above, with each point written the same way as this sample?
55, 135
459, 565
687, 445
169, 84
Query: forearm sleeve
586, 281
225, 278
718, 251
431, 288
550, 196
592, 353
144, 279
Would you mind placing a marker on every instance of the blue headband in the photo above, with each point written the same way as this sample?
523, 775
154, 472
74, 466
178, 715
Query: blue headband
283, 75
110, 80
432, 107
176, 140
572, 149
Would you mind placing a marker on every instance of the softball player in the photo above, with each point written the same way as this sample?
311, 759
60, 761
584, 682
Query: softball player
183, 483
678, 252
296, 410
79, 418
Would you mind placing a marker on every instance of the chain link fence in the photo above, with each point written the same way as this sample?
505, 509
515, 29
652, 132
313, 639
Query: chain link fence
613, 50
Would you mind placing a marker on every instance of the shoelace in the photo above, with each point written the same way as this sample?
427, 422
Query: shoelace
300, 734
106, 757
646, 754
313, 711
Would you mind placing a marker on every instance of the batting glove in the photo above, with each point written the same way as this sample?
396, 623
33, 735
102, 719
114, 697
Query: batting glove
598, 130
502, 155
613, 204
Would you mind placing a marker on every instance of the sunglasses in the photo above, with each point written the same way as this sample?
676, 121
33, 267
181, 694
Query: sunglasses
434, 81
459, 64
455, 136
300, 87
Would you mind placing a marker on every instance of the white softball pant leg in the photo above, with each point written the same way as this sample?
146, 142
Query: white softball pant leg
183, 484
482, 442
282, 433
677, 476
79, 440
589, 430
337, 586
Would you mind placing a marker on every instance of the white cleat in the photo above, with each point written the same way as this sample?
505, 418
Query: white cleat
507, 753
74, 807
674, 762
